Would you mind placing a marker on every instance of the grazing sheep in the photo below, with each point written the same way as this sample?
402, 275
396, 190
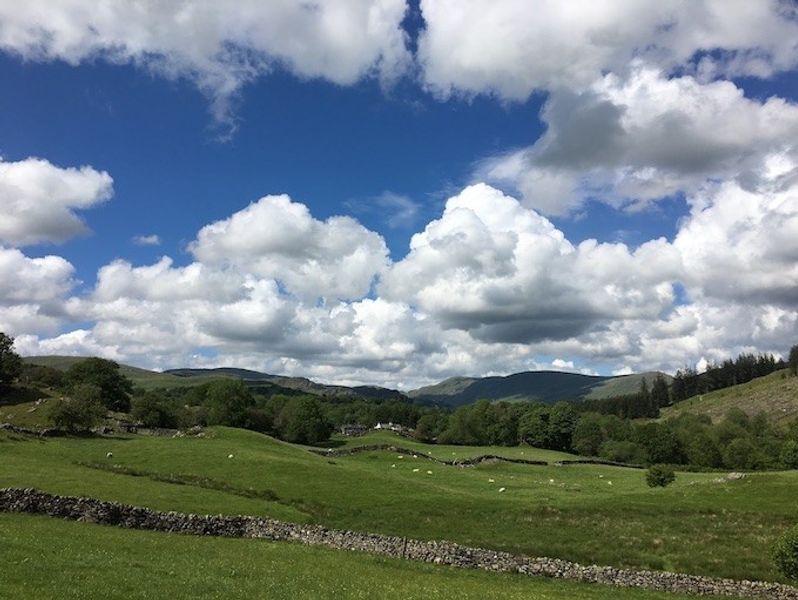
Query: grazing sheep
393, 466
491, 480
416, 470
229, 456
501, 490
429, 472
109, 455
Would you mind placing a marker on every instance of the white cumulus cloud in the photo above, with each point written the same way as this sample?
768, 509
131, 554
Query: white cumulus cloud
38, 200
217, 46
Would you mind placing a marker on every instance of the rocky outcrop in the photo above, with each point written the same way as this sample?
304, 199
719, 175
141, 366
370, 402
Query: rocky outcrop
437, 552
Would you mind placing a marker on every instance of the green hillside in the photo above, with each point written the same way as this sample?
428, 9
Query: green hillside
775, 395
140, 377
701, 524
624, 385
299, 384
531, 386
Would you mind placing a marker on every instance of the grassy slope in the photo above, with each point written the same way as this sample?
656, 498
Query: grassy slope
47, 558
623, 385
696, 525
444, 452
541, 386
140, 377
776, 395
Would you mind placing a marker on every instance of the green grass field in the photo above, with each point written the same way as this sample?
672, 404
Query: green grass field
776, 395
49, 558
586, 513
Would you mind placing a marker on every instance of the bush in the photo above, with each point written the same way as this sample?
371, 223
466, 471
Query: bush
660, 476
80, 412
789, 454
153, 411
785, 553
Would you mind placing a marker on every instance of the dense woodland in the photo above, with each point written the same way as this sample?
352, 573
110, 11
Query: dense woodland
611, 429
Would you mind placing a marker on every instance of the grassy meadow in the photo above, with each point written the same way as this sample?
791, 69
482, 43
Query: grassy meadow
586, 513
49, 558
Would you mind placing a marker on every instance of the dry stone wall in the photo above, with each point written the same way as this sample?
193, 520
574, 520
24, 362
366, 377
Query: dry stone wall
457, 462
438, 552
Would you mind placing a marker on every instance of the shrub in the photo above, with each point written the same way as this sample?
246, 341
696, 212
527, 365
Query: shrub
789, 454
80, 412
660, 476
153, 411
785, 553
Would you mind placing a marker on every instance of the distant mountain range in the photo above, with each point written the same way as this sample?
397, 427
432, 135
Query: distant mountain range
301, 384
532, 386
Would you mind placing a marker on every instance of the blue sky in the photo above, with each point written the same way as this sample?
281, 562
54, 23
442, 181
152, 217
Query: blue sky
386, 132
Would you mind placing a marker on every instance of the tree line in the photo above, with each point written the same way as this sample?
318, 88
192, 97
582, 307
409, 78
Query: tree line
606, 428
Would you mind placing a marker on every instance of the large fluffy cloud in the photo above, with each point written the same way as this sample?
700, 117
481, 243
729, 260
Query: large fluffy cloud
278, 238
644, 137
217, 46
33, 291
489, 287
505, 273
38, 200
511, 48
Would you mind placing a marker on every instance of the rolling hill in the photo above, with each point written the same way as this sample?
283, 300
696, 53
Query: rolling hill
140, 377
301, 384
532, 386
775, 395
190, 377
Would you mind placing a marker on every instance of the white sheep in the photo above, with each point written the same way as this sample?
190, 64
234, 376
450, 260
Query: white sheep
416, 470
429, 472
229, 456
491, 480
109, 455
501, 489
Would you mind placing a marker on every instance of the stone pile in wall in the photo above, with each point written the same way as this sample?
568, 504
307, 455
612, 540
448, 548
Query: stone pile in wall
457, 462
437, 552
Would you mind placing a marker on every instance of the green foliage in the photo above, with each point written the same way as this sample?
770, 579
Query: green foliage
429, 426
152, 410
41, 375
660, 395
789, 455
661, 443
79, 412
785, 553
228, 402
302, 421
588, 435
533, 427
623, 452
115, 388
10, 362
740, 454
660, 476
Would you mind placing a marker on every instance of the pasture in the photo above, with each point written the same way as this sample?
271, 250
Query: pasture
701, 524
